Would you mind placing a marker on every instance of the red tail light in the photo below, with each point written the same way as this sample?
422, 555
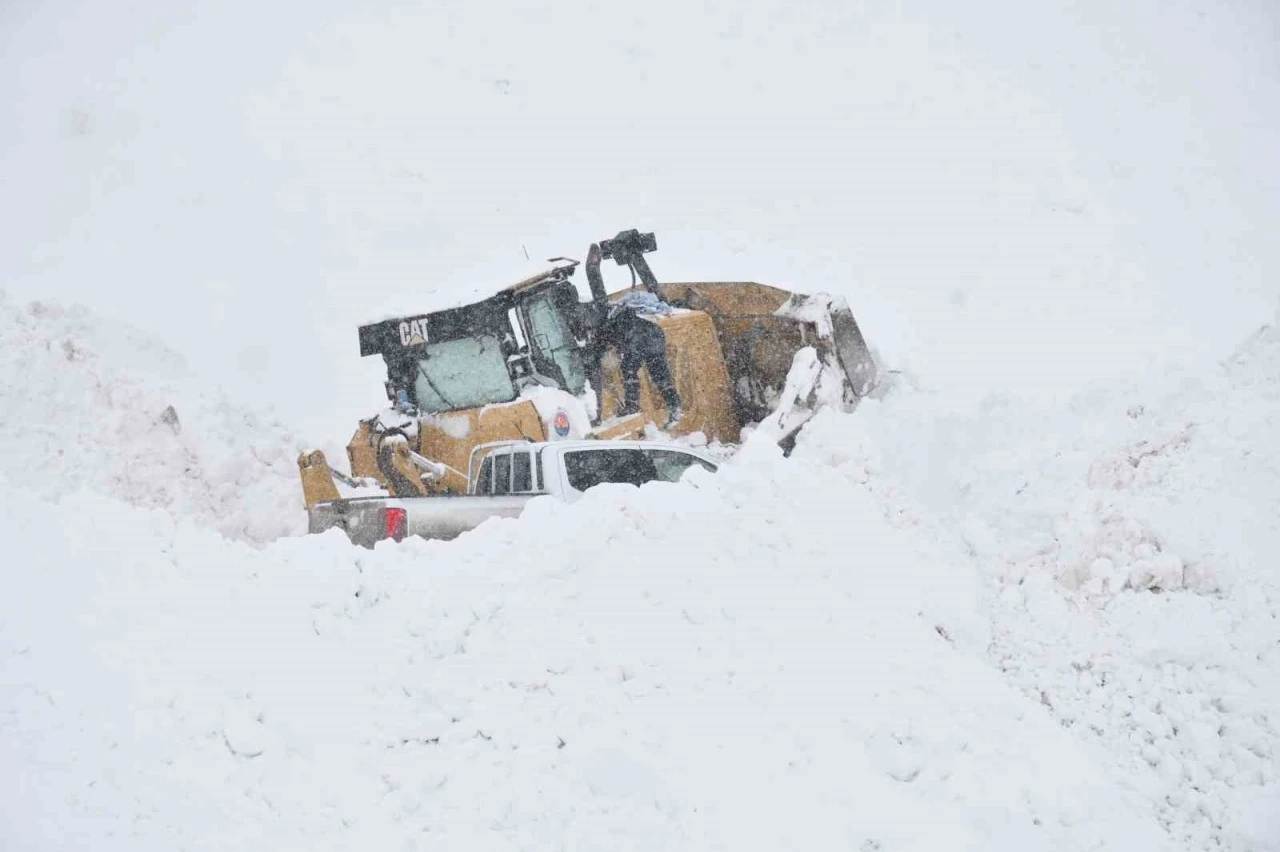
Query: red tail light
397, 523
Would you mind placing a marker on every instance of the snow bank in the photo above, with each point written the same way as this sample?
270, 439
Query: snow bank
1130, 539
1006, 628
751, 660
90, 403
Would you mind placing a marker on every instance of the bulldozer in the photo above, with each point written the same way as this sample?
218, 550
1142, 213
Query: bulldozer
527, 363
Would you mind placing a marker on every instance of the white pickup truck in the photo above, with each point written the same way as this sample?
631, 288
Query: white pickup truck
509, 475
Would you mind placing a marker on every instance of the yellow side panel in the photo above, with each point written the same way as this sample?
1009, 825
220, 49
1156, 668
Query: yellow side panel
449, 440
758, 347
698, 368
761, 347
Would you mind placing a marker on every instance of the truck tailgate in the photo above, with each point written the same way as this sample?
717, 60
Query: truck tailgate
361, 518
439, 517
450, 516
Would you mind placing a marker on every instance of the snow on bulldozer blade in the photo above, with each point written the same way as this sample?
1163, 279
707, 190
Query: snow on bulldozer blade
836, 379
834, 321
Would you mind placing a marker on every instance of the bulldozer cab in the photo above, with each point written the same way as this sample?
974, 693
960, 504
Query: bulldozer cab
531, 333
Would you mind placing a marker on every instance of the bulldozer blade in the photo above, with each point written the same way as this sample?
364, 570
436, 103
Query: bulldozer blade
834, 321
855, 356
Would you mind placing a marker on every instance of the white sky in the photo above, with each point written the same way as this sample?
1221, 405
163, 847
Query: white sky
1011, 197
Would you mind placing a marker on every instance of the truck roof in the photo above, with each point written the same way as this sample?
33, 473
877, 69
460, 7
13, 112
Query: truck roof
594, 443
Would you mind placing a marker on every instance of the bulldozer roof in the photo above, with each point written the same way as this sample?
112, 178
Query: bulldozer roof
390, 336
460, 321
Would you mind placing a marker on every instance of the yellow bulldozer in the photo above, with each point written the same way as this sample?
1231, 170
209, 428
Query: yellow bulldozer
528, 363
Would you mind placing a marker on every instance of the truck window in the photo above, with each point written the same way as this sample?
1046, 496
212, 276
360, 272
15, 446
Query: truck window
671, 465
484, 480
631, 466
502, 474
521, 473
589, 468
541, 484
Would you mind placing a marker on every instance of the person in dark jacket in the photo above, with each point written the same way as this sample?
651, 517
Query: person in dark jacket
639, 343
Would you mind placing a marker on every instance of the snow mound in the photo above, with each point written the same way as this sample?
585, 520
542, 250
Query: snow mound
91, 404
1006, 628
1101, 551
756, 659
1128, 540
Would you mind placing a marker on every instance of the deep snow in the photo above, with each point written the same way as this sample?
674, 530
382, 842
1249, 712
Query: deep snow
901, 637
1130, 540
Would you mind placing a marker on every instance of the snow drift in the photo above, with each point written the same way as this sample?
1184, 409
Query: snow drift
752, 660
899, 638
93, 404
1130, 539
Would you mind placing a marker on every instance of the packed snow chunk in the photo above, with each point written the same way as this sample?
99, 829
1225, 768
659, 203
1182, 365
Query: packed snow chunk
1099, 551
1142, 463
1105, 578
815, 308
454, 425
1161, 571
812, 384
1200, 577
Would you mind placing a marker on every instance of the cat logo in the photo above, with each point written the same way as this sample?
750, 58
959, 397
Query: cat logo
413, 332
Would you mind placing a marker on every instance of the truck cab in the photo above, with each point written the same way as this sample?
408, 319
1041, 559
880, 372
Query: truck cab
566, 469
503, 476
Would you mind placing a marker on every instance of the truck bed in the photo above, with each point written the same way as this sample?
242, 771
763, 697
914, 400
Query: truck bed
437, 517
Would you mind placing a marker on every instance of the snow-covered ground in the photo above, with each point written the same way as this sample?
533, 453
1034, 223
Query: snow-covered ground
1006, 628
1130, 542
1030, 600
